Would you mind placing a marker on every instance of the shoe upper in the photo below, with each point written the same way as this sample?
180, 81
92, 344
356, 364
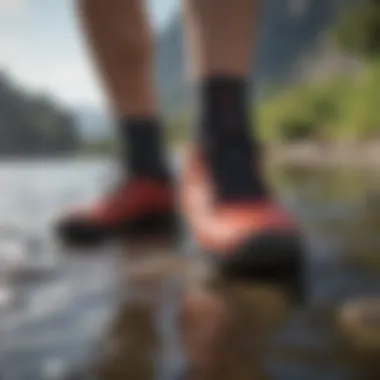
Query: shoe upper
222, 225
140, 196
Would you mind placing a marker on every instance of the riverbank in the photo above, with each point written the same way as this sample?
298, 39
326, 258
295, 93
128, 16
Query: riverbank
362, 155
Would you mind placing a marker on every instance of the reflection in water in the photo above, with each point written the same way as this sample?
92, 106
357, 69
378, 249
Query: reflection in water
221, 328
164, 317
224, 330
132, 342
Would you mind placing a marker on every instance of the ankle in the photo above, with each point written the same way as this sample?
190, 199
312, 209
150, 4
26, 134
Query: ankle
230, 150
143, 152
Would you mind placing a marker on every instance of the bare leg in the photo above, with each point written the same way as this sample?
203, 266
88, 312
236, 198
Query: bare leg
244, 223
220, 36
220, 40
121, 44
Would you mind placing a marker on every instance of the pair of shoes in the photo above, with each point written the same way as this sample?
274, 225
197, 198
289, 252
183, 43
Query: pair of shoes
250, 238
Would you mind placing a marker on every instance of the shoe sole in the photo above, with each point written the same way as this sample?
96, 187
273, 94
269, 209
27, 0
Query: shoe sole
86, 235
273, 258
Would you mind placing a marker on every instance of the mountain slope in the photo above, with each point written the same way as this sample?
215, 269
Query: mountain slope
289, 30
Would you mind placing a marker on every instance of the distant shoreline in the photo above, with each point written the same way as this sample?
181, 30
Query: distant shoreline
360, 155
355, 155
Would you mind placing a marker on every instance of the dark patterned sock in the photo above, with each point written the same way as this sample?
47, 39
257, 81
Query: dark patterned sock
231, 152
143, 148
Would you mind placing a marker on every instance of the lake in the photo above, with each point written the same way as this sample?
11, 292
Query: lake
75, 315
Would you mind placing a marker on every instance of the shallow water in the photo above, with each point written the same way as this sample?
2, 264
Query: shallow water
73, 315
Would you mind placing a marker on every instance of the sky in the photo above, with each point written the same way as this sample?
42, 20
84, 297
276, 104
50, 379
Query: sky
41, 47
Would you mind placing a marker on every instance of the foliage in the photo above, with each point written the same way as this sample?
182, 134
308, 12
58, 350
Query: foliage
178, 126
339, 108
358, 30
103, 147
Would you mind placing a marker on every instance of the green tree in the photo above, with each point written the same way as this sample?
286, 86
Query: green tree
358, 30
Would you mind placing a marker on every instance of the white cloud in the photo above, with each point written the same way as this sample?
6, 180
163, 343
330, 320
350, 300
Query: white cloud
71, 79
34, 62
13, 7
50, 57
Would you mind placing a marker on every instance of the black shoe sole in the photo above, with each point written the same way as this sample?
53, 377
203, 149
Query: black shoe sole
82, 234
275, 258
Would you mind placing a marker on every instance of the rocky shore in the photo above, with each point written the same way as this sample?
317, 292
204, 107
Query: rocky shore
361, 155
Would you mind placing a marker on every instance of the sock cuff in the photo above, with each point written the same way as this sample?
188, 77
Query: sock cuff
224, 133
137, 131
143, 147
224, 106
224, 82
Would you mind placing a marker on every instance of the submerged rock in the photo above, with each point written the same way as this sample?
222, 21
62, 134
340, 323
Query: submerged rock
359, 327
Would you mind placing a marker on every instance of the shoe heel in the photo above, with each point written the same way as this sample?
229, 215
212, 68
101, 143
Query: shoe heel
270, 259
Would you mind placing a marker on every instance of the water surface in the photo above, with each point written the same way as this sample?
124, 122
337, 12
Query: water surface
65, 314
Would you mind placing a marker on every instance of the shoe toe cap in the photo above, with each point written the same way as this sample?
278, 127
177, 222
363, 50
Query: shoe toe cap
74, 230
276, 257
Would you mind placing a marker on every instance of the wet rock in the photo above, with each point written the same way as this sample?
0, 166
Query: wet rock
359, 328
